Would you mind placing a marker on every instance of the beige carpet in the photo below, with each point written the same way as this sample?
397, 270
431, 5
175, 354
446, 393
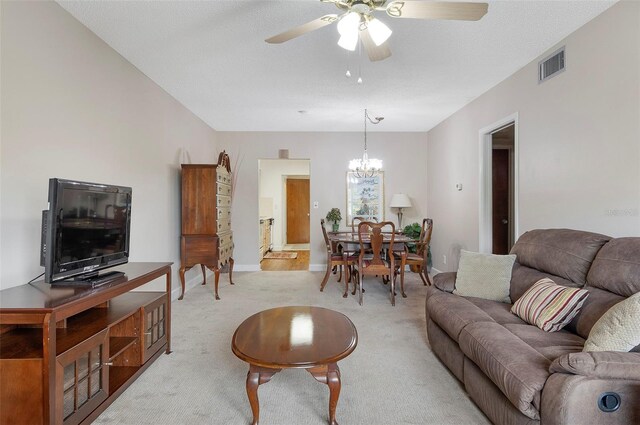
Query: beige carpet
391, 378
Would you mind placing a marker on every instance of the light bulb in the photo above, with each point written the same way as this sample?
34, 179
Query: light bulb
348, 74
349, 23
379, 31
359, 80
348, 30
349, 41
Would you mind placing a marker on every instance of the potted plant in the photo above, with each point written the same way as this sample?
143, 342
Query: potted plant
412, 231
335, 217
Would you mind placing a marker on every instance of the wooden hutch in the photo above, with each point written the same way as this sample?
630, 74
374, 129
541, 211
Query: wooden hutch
207, 238
67, 352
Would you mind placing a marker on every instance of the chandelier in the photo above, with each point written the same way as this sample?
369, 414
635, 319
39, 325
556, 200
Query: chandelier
365, 166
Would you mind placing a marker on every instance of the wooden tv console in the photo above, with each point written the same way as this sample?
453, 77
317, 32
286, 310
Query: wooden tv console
66, 353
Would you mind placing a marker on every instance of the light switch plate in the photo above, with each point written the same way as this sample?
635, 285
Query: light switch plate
315, 204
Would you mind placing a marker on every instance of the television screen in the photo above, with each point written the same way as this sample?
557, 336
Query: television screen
87, 229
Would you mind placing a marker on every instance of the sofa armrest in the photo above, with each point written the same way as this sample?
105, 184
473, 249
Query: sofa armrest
445, 281
599, 364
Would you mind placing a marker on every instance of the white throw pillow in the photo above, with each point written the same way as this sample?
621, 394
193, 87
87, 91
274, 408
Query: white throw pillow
485, 276
618, 329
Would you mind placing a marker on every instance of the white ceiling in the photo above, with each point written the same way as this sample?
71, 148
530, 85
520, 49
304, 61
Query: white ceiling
211, 56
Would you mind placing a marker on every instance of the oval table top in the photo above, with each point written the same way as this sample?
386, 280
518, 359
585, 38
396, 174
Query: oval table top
295, 337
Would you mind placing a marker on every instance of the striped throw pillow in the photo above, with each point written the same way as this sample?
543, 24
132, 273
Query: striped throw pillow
549, 306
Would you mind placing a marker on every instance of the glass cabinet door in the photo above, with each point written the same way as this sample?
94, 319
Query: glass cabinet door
155, 327
82, 382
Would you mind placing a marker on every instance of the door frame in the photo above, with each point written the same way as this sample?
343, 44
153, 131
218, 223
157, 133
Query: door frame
485, 225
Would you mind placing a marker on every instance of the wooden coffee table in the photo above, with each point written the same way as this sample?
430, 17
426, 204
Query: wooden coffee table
310, 338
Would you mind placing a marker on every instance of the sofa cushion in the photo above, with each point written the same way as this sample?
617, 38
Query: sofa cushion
523, 277
500, 312
563, 252
513, 365
452, 313
618, 329
549, 306
616, 268
550, 344
597, 303
484, 276
445, 281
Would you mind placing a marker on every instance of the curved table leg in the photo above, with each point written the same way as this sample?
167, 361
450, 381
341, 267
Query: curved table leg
330, 375
182, 270
216, 272
256, 376
231, 263
204, 274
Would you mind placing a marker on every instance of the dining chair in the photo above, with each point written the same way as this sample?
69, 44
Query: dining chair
372, 260
358, 219
420, 258
352, 248
338, 259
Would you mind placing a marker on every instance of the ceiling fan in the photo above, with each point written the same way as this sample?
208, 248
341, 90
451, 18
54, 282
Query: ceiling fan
357, 21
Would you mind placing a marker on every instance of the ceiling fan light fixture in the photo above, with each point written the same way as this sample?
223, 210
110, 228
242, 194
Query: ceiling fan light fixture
349, 23
379, 31
348, 41
348, 30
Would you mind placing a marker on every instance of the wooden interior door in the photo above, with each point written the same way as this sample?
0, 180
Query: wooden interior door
298, 200
500, 200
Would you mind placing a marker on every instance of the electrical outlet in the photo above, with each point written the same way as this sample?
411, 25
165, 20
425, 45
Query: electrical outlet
315, 205
444, 259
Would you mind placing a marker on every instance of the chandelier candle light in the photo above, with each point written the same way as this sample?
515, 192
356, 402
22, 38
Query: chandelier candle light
365, 167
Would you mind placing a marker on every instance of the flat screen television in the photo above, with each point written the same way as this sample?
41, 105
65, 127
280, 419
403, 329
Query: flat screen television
85, 229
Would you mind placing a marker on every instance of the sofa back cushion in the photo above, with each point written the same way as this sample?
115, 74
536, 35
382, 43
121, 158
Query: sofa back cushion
564, 253
522, 278
616, 268
596, 304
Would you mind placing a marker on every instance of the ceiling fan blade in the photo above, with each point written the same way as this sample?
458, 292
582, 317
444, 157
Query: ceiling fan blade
375, 53
303, 29
437, 10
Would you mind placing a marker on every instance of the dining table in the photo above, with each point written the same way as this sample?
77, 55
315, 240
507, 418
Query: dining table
350, 242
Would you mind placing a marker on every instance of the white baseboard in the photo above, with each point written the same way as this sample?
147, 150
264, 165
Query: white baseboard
435, 271
256, 268
246, 267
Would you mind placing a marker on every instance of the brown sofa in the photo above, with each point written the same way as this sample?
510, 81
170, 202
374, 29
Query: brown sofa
517, 373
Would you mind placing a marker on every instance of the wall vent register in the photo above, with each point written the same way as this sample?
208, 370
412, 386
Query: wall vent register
552, 65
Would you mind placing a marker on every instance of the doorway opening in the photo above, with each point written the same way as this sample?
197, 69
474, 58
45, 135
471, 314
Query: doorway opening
499, 186
284, 210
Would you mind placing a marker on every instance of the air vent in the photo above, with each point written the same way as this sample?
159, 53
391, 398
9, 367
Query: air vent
551, 65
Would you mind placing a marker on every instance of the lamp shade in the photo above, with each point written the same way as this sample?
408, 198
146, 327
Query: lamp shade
400, 200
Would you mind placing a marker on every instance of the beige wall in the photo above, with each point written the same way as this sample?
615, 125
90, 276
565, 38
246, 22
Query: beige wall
74, 108
579, 142
404, 156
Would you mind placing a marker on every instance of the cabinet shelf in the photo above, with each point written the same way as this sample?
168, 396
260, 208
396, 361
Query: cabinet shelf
118, 375
21, 343
118, 344
88, 323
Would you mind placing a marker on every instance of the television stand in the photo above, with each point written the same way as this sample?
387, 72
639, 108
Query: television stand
66, 353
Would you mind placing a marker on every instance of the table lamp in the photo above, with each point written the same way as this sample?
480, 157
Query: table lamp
400, 201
